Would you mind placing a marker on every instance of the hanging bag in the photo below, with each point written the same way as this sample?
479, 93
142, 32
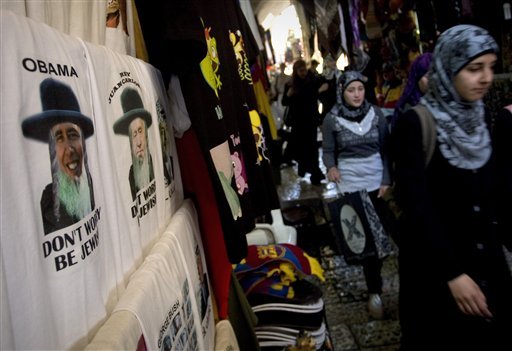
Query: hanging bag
352, 227
357, 227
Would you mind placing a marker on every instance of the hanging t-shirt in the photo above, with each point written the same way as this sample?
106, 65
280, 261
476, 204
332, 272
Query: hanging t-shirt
214, 122
210, 222
263, 191
83, 19
175, 27
144, 183
55, 252
184, 232
159, 295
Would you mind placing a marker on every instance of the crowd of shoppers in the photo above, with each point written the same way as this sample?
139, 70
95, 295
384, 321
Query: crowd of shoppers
455, 284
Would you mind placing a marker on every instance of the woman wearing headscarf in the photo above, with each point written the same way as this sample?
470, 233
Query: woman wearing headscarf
301, 97
355, 137
417, 83
455, 284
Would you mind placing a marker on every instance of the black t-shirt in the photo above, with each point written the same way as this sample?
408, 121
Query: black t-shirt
209, 46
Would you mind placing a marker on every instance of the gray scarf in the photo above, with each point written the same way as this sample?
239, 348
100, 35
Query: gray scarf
463, 137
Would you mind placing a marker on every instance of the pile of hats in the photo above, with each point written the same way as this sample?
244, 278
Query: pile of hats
275, 281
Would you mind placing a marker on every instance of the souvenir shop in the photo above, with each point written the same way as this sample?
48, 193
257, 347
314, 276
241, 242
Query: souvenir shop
137, 145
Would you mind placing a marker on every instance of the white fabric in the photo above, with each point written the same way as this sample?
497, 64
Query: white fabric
135, 236
168, 284
360, 173
180, 118
288, 331
7, 339
359, 128
83, 19
225, 338
18, 7
131, 50
173, 187
117, 40
184, 232
316, 306
275, 233
121, 331
136, 223
159, 296
72, 278
56, 298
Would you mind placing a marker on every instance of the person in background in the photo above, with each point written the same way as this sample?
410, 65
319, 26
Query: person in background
367, 66
392, 87
313, 65
330, 70
461, 299
416, 86
301, 97
355, 137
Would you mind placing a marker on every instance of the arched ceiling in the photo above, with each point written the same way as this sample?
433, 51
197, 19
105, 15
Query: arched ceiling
262, 8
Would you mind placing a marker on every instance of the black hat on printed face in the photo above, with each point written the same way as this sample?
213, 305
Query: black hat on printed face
132, 108
60, 105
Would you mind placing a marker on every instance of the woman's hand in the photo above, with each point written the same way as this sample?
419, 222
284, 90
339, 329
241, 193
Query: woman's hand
333, 174
469, 297
382, 190
323, 87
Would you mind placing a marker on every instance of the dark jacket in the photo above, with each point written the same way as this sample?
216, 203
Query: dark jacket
449, 220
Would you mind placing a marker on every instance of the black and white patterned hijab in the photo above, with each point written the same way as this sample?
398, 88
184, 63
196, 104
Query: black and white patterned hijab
461, 132
342, 108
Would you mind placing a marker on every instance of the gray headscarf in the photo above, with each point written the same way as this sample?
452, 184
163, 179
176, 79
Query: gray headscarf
342, 108
461, 132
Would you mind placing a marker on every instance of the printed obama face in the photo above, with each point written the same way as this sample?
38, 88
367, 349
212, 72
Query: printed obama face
473, 81
138, 142
68, 148
354, 94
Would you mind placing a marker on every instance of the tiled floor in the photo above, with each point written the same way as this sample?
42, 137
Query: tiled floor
350, 326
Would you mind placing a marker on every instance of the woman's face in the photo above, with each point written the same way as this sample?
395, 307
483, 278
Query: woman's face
473, 81
354, 94
302, 71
